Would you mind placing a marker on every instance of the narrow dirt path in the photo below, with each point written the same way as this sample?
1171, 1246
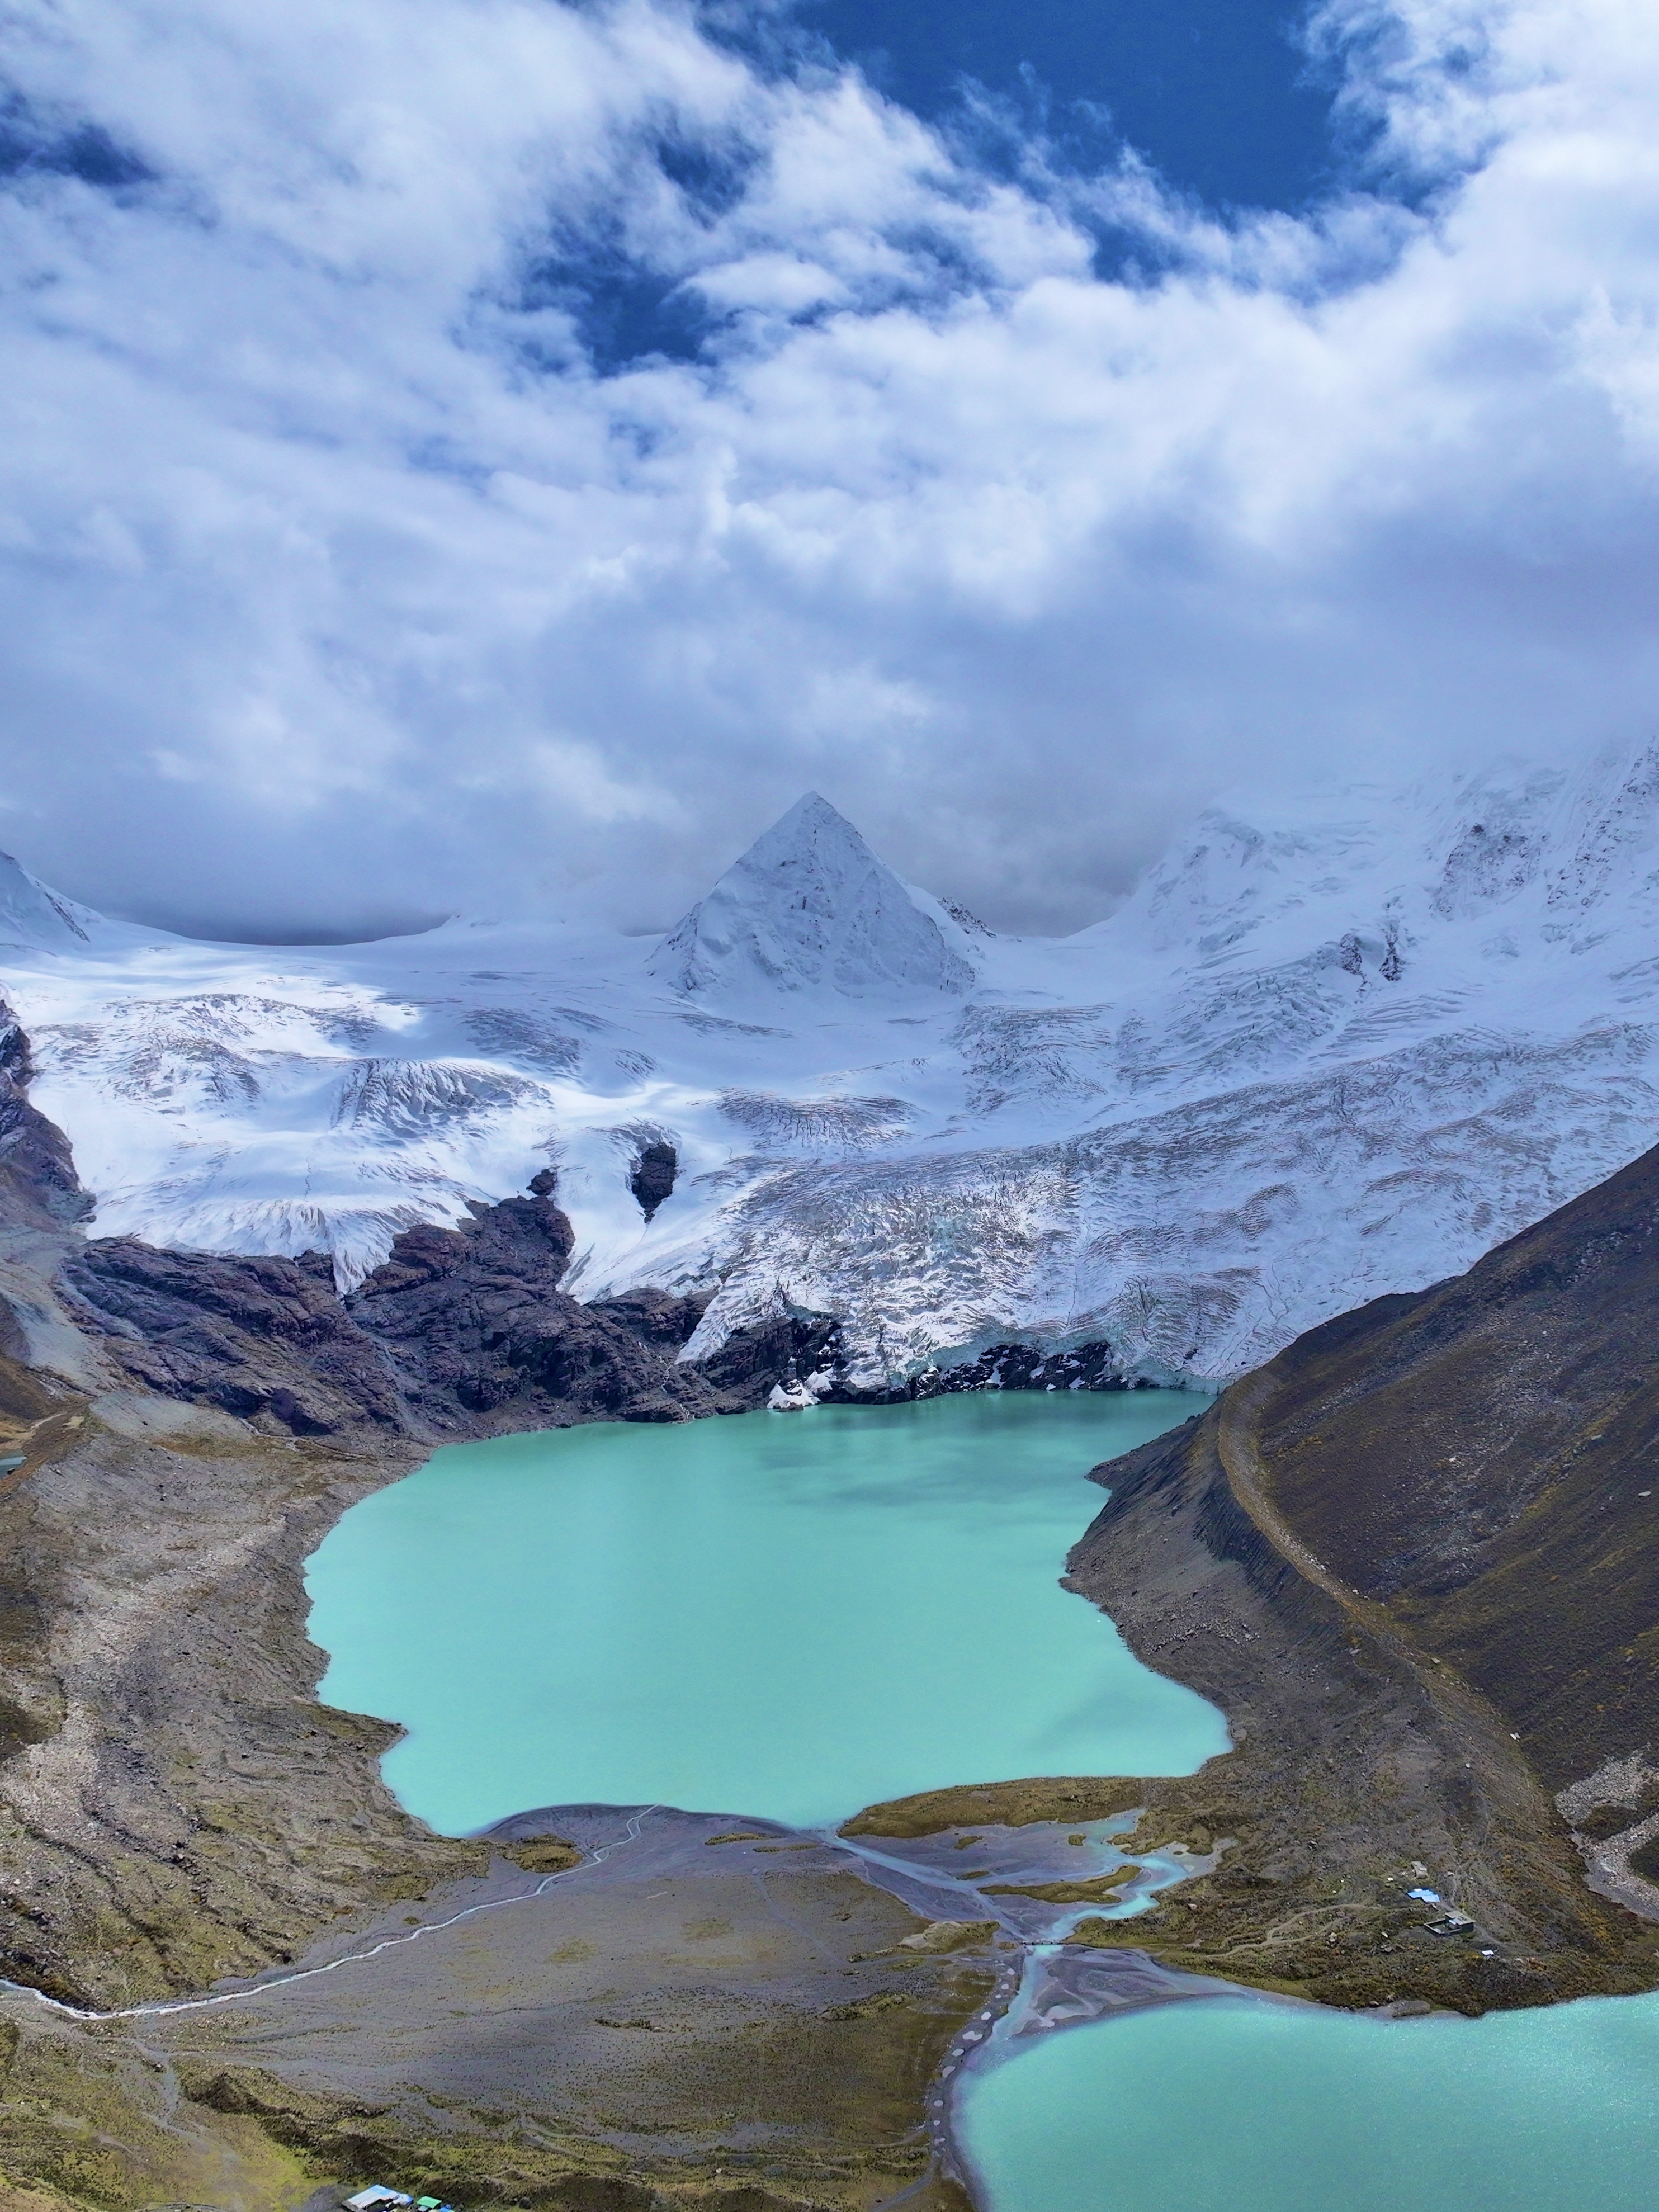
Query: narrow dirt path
1476, 1730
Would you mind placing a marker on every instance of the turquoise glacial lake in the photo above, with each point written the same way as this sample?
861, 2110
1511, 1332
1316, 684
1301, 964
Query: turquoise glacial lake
786, 1615
1238, 2104
794, 1615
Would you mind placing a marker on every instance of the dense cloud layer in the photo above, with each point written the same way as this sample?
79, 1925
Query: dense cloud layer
350, 571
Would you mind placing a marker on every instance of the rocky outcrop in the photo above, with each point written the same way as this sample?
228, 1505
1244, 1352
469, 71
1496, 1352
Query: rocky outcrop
263, 1338
37, 1180
481, 1337
653, 1179
463, 1331
1014, 1367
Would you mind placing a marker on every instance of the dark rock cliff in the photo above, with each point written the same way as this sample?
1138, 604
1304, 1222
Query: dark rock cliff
463, 1331
480, 1336
263, 1338
37, 1180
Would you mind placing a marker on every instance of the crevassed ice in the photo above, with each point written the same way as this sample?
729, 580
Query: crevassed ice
1331, 1048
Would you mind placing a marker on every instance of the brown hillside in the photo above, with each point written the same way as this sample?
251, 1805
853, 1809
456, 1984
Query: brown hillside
1483, 1459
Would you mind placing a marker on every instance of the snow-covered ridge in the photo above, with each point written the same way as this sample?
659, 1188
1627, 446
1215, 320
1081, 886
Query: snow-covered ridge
33, 916
1331, 1046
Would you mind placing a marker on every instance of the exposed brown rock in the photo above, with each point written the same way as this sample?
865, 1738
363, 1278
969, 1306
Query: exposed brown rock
1475, 1458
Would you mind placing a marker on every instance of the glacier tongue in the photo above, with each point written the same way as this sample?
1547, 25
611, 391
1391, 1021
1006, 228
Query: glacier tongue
808, 908
1333, 1047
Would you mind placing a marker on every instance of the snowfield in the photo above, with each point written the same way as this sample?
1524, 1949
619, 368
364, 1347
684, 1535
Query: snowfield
1330, 1047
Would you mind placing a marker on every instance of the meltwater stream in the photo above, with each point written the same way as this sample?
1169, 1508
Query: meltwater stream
792, 1616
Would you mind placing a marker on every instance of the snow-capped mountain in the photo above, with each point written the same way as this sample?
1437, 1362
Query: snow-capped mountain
810, 908
1330, 1047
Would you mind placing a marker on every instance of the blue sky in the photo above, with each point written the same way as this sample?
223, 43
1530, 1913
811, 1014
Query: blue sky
491, 454
1232, 107
1223, 97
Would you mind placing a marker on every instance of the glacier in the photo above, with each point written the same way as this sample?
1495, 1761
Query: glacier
1337, 1044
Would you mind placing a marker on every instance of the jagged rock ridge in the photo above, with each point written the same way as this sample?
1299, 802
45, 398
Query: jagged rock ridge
460, 1332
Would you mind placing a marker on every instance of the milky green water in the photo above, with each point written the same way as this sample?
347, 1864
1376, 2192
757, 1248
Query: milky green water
794, 1615
783, 1615
1236, 2105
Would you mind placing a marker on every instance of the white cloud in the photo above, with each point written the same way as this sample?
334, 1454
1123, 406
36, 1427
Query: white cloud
337, 580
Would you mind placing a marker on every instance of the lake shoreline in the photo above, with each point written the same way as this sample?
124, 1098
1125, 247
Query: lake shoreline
207, 1522
1191, 1595
1357, 1760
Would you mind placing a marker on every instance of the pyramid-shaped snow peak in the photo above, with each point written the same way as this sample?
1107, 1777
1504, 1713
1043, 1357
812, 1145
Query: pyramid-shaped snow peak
810, 908
31, 914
